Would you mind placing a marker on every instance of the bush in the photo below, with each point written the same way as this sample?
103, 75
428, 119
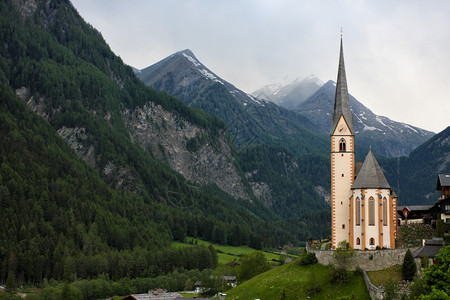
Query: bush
340, 275
308, 258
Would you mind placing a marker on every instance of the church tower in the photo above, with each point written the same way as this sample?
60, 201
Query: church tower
342, 158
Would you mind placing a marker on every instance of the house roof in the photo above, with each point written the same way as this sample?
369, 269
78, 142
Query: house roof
415, 207
443, 180
229, 278
151, 296
429, 251
370, 175
341, 100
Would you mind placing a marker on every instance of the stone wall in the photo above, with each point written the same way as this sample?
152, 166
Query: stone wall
369, 260
374, 292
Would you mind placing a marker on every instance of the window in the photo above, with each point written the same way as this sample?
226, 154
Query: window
343, 226
372, 241
358, 211
371, 211
384, 212
342, 145
358, 241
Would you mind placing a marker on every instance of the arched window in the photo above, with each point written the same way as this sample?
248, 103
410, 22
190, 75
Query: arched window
372, 241
342, 145
371, 211
358, 241
384, 212
358, 211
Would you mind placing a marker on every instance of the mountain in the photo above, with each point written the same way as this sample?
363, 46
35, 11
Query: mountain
415, 176
387, 138
98, 172
290, 95
265, 135
249, 120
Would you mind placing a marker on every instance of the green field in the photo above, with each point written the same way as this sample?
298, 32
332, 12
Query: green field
296, 283
229, 253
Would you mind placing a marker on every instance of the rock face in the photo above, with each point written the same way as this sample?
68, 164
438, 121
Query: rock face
188, 149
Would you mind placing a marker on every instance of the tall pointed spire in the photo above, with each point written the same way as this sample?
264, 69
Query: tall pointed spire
341, 100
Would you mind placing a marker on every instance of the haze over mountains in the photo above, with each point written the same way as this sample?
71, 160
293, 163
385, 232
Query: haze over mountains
314, 100
309, 98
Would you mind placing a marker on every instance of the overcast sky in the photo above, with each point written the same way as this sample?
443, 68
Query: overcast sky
397, 53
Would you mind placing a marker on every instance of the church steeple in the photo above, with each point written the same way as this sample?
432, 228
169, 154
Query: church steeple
341, 100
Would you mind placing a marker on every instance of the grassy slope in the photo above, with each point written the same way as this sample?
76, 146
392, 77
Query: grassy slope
295, 280
383, 276
229, 253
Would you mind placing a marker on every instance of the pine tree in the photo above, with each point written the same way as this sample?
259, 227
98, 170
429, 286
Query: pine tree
11, 284
409, 267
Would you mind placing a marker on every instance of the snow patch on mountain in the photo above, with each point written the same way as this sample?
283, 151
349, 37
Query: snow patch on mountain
201, 68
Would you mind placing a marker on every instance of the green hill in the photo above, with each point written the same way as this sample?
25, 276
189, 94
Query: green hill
297, 282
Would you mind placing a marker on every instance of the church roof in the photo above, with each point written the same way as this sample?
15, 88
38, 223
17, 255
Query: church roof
370, 175
341, 100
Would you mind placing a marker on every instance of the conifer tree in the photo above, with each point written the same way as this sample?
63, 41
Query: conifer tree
409, 267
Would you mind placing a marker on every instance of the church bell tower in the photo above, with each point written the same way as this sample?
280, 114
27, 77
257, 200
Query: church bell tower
342, 158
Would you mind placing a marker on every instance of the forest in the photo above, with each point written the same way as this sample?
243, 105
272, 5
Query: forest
60, 219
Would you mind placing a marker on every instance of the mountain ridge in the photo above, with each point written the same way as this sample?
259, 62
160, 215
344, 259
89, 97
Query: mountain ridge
250, 120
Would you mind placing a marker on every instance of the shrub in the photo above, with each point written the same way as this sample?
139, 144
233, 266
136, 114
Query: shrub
307, 259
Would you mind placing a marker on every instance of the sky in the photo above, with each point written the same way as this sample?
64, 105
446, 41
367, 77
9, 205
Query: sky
397, 53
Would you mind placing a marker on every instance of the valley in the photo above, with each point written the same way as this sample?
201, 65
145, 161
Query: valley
115, 180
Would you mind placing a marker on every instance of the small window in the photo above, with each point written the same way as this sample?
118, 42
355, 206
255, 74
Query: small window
343, 226
358, 241
342, 145
372, 241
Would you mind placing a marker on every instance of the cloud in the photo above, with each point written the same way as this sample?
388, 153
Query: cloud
396, 52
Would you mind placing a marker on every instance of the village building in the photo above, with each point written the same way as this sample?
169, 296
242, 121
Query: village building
429, 214
428, 251
363, 204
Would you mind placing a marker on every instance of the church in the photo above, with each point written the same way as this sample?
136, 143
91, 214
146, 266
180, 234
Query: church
363, 204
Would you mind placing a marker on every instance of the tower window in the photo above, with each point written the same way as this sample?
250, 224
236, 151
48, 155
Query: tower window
384, 212
343, 226
358, 241
371, 211
342, 145
372, 241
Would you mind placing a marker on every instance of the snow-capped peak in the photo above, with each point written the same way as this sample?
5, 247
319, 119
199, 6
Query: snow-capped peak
203, 70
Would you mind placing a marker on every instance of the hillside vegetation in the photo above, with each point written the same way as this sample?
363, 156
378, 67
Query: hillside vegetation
291, 281
64, 219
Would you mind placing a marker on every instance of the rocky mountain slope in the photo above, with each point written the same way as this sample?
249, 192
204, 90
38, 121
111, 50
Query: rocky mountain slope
289, 95
256, 125
388, 138
249, 120
115, 97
